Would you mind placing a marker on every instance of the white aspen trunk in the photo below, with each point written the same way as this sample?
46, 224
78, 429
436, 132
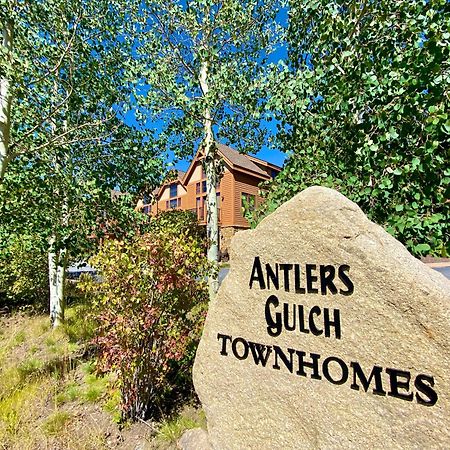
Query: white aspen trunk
62, 266
59, 304
63, 256
212, 224
5, 103
53, 280
57, 265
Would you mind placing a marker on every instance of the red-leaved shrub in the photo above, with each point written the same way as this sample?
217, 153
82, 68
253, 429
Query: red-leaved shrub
151, 298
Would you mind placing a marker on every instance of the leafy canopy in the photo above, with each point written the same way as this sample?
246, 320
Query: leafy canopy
69, 145
174, 38
364, 107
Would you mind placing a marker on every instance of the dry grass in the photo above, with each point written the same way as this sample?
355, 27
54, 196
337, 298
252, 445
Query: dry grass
51, 399
41, 388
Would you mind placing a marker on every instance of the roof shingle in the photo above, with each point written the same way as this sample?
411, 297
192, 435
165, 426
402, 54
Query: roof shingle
238, 159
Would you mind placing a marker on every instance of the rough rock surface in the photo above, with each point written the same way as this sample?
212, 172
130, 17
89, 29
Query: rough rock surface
394, 324
195, 439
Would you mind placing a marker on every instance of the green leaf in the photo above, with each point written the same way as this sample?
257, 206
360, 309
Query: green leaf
422, 248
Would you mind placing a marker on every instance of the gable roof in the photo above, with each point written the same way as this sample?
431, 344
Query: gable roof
179, 178
180, 174
238, 160
264, 163
235, 160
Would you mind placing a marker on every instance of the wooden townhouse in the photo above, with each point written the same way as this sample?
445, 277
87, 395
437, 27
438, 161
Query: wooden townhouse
238, 184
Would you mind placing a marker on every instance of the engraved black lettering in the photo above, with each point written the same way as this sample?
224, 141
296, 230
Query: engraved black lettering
327, 274
257, 274
273, 326
397, 384
272, 276
315, 310
343, 367
424, 384
287, 325
234, 347
310, 279
314, 365
335, 323
346, 280
374, 374
288, 362
286, 268
224, 338
297, 280
260, 352
301, 319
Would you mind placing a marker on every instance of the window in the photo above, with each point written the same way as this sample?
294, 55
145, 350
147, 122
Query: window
200, 208
197, 187
247, 203
179, 202
146, 203
173, 203
173, 190
203, 172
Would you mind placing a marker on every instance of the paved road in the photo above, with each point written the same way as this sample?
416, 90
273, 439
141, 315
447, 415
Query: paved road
444, 270
222, 274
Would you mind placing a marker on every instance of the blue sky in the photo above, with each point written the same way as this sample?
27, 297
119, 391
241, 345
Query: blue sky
267, 154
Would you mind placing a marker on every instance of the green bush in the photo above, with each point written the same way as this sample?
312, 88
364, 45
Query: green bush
151, 304
177, 221
364, 109
23, 273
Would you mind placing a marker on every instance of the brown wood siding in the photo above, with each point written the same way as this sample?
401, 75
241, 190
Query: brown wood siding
232, 185
226, 195
190, 197
161, 203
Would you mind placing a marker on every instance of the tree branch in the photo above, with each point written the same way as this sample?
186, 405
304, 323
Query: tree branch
46, 118
172, 46
65, 52
68, 132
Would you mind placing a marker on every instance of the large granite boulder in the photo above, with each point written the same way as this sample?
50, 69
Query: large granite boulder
326, 334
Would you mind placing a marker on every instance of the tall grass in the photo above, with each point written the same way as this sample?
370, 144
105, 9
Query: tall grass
37, 379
